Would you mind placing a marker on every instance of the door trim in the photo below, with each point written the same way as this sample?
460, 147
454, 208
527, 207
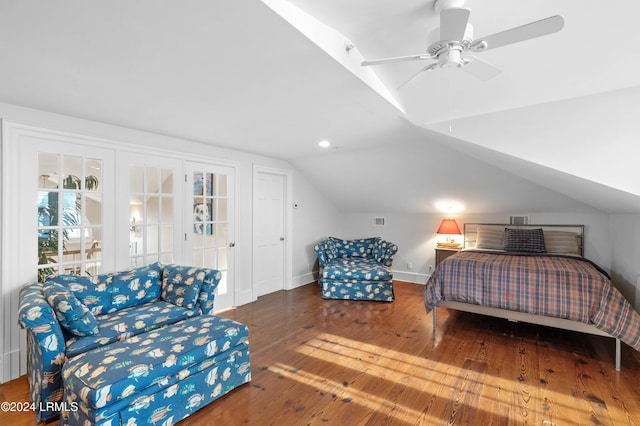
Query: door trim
288, 226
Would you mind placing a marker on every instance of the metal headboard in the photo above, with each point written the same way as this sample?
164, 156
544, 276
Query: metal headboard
471, 231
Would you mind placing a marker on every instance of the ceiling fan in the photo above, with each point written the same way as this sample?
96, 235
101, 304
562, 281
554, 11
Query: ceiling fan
452, 44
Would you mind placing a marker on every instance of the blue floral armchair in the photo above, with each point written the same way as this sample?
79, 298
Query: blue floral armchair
356, 269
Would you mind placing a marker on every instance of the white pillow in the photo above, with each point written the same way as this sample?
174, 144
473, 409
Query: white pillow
561, 242
489, 237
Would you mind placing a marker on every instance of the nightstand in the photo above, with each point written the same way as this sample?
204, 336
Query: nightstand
443, 252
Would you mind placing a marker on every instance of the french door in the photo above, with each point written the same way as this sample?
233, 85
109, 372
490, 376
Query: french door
57, 217
209, 235
153, 210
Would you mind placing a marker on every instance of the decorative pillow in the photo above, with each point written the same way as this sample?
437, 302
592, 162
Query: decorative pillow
94, 292
563, 242
490, 238
135, 287
354, 248
72, 315
524, 240
207, 292
181, 284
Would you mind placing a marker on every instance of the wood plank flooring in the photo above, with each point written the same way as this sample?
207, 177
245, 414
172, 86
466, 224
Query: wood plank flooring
340, 362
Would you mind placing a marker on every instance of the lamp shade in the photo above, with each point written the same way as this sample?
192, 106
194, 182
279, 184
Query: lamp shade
448, 226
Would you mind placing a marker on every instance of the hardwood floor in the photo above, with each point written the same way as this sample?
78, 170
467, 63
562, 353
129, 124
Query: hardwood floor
318, 361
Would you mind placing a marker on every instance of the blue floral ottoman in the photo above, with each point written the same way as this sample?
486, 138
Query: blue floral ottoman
158, 377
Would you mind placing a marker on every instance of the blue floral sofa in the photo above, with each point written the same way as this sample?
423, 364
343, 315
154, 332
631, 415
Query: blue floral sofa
134, 347
356, 269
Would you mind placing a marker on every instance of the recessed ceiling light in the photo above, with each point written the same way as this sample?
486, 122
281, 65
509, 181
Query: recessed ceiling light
450, 206
324, 144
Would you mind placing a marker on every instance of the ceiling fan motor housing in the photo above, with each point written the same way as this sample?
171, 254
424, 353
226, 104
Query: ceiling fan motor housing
448, 52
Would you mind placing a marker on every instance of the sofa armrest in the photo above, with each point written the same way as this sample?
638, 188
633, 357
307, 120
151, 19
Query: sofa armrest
322, 255
46, 347
387, 259
384, 251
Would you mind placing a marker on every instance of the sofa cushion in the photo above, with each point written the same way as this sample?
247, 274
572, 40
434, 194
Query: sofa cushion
128, 322
70, 312
107, 375
181, 284
361, 290
135, 287
94, 292
354, 248
357, 269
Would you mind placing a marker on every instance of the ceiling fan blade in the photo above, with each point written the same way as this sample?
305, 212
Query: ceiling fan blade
535, 29
480, 69
427, 68
453, 23
396, 59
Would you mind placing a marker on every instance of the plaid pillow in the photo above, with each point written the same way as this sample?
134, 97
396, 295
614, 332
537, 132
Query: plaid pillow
524, 240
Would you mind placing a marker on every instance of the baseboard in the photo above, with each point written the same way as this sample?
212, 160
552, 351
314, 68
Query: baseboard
10, 366
244, 297
304, 279
411, 277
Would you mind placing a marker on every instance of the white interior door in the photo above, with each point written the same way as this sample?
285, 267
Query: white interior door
269, 232
209, 225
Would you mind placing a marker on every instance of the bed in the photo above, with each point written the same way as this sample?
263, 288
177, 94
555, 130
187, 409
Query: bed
542, 278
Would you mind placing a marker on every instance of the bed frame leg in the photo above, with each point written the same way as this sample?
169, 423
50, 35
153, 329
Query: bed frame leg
434, 320
618, 354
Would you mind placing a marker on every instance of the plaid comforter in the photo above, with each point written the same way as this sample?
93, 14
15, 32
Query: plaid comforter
555, 286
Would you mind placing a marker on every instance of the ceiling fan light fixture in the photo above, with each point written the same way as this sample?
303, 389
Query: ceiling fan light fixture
450, 58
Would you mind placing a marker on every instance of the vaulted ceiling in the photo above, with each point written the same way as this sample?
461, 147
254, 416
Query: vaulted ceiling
556, 130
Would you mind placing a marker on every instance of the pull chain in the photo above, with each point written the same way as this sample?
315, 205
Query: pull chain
449, 72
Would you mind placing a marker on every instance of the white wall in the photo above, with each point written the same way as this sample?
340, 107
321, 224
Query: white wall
415, 235
625, 255
314, 219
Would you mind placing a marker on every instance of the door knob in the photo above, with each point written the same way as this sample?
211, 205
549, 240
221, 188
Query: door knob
232, 244
281, 238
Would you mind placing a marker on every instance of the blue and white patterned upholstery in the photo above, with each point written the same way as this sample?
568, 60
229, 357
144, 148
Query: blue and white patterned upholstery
73, 316
158, 377
356, 269
124, 304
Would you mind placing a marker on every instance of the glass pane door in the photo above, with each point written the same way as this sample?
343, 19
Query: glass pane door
70, 214
151, 214
210, 224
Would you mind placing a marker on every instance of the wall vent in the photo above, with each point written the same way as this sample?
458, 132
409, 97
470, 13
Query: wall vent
519, 220
378, 221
